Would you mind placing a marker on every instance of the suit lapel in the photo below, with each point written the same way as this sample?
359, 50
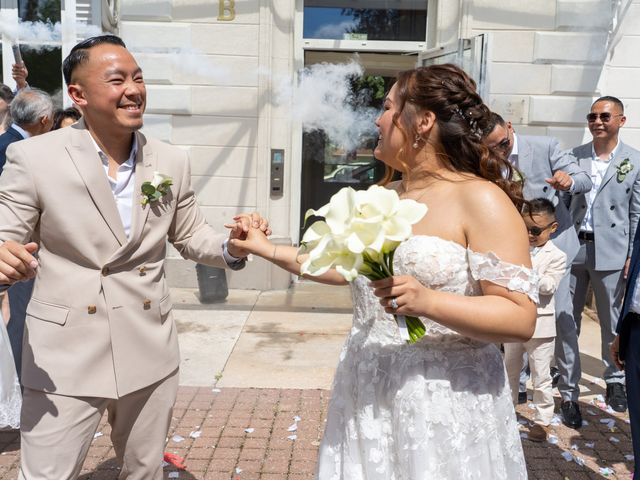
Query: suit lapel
89, 166
524, 155
146, 161
611, 169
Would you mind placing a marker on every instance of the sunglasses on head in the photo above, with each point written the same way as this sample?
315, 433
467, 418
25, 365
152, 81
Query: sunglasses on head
604, 117
536, 231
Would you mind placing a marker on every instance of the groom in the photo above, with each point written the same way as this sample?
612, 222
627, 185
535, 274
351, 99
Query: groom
99, 332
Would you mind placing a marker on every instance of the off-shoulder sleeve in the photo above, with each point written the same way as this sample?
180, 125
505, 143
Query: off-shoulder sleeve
487, 266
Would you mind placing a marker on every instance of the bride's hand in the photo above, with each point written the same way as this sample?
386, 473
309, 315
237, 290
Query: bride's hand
411, 297
255, 242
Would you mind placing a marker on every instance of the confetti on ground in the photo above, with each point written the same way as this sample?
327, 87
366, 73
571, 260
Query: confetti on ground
574, 447
174, 474
238, 470
629, 458
293, 427
553, 440
292, 437
614, 440
296, 418
590, 445
524, 435
556, 420
195, 434
591, 412
585, 423
579, 461
606, 471
567, 456
177, 438
249, 430
523, 421
216, 390
97, 434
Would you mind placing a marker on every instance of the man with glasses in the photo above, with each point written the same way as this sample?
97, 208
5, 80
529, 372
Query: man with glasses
547, 171
606, 220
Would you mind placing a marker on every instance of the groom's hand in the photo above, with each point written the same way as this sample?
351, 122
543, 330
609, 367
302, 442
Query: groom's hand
17, 262
240, 228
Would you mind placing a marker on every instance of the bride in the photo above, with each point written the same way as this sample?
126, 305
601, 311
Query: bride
10, 394
440, 408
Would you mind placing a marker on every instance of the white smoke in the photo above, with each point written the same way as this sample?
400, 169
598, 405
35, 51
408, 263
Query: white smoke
324, 100
40, 35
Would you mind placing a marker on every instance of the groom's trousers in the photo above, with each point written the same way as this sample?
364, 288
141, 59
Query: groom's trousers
56, 431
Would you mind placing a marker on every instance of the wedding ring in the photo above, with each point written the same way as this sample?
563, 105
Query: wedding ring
393, 304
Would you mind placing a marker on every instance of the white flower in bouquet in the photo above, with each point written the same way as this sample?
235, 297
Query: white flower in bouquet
359, 235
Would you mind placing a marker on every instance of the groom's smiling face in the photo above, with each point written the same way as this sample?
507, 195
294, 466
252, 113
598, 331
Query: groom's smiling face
112, 89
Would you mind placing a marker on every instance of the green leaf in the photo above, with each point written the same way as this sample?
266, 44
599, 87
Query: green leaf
148, 189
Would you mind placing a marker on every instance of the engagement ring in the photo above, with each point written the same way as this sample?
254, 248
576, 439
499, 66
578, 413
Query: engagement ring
393, 304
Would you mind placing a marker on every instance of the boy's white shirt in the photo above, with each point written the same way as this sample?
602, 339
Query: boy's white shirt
551, 264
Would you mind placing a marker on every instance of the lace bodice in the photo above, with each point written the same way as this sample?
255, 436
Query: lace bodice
441, 265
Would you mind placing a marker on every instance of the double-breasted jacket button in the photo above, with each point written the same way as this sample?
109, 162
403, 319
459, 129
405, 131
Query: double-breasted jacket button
146, 304
105, 271
544, 189
584, 206
91, 309
612, 207
628, 189
613, 225
142, 270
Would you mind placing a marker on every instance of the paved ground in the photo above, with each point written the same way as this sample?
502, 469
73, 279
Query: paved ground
287, 344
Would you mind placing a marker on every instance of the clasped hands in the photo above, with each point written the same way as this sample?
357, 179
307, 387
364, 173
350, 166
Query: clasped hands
239, 230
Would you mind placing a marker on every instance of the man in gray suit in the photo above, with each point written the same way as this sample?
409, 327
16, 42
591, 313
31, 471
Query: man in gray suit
606, 220
546, 172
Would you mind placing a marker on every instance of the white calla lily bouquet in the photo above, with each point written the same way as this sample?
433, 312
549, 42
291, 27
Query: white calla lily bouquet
359, 235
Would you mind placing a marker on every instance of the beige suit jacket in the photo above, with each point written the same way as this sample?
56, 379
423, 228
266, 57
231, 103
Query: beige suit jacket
551, 264
99, 322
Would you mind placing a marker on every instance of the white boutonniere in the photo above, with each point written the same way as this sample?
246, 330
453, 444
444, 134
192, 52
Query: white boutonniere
623, 169
158, 187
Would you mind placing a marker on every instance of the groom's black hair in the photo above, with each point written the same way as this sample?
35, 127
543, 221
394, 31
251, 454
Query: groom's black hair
80, 53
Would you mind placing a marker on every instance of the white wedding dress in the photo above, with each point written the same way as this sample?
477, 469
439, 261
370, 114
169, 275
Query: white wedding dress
439, 409
10, 394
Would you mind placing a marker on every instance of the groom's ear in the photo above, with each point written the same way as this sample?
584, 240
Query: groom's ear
76, 94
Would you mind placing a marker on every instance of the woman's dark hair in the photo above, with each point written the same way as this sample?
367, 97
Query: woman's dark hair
60, 115
540, 206
80, 53
461, 116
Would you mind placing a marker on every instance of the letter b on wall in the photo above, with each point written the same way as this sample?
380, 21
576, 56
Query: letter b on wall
226, 10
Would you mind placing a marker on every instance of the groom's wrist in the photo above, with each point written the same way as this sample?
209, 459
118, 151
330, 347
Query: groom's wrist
234, 263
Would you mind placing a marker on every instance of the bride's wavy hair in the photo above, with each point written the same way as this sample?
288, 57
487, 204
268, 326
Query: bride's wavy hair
462, 118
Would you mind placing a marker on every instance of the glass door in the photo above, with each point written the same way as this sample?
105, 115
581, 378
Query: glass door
326, 167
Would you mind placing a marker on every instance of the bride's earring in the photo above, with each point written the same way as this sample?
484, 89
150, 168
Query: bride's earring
417, 141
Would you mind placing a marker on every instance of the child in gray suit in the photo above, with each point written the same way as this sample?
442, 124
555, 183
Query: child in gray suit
550, 264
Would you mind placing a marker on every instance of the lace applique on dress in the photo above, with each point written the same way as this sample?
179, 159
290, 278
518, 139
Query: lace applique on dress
517, 278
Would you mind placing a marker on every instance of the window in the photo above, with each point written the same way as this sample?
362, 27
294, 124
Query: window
390, 20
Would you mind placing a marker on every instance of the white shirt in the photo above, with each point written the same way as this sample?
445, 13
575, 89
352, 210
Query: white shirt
123, 185
598, 170
20, 130
513, 156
